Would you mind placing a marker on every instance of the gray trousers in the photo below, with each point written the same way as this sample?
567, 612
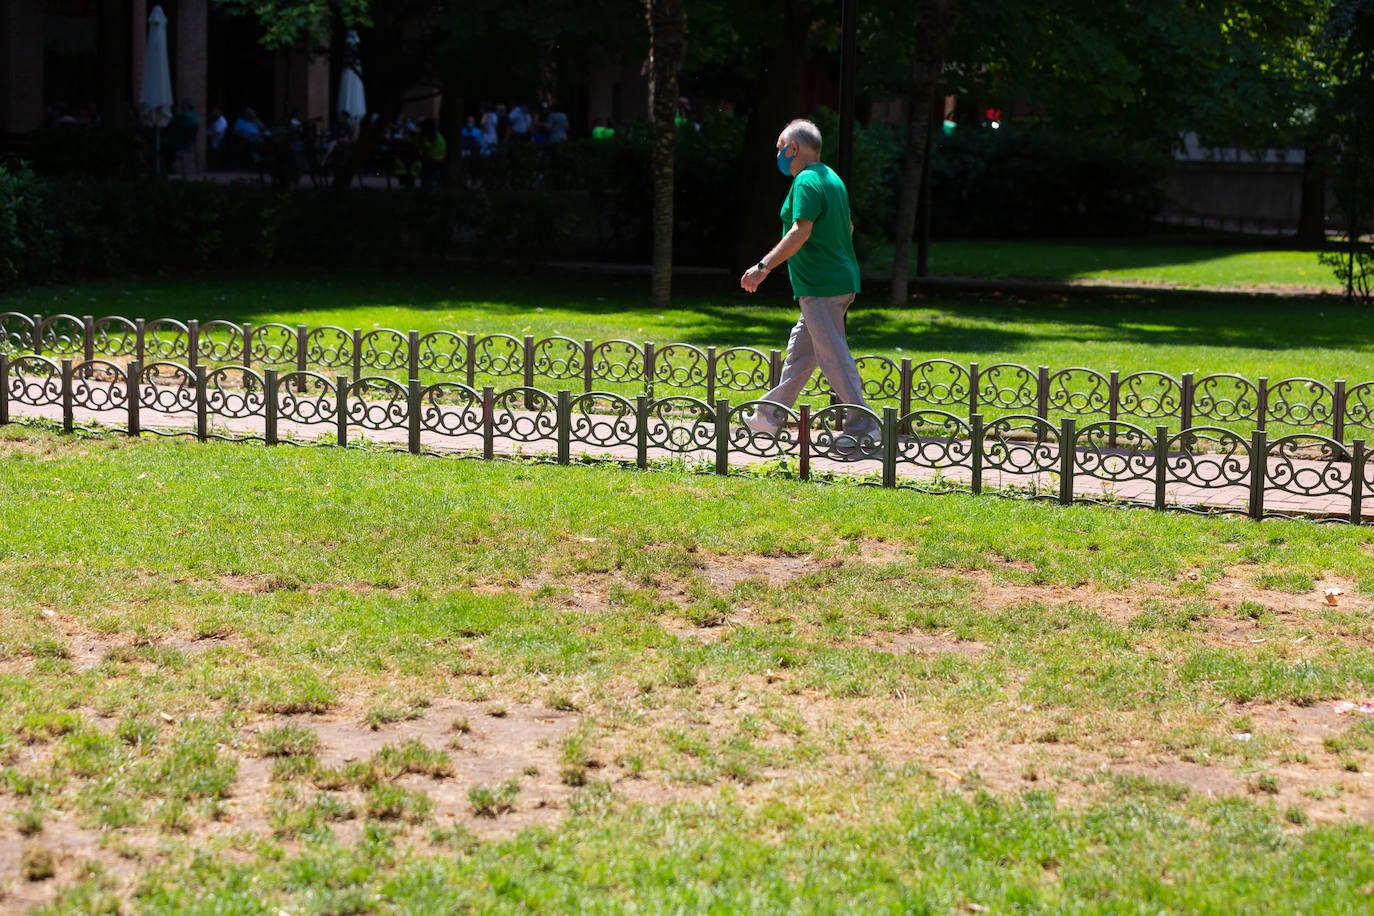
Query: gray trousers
818, 340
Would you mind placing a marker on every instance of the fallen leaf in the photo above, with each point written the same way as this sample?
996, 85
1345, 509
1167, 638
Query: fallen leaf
1332, 596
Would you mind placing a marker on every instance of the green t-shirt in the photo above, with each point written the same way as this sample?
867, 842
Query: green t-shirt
826, 265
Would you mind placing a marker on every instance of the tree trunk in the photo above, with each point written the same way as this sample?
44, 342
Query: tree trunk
934, 21
1312, 207
667, 38
780, 79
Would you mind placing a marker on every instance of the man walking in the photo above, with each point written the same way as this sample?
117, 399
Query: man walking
818, 246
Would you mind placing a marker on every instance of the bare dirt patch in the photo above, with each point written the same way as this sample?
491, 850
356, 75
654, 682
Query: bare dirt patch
999, 595
724, 573
927, 644
501, 742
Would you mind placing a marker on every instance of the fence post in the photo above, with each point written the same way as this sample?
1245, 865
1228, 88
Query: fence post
641, 432
202, 406
1113, 405
529, 361
890, 447
1068, 437
471, 341
1187, 393
302, 354
36, 341
650, 367
563, 425
1259, 469
723, 436
588, 377
413, 415
1338, 405
488, 422
976, 432
4, 389
973, 380
774, 368
341, 409
1161, 465
269, 378
712, 362
247, 344
133, 374
357, 353
1262, 387
804, 442
192, 343
1042, 393
67, 420
413, 354
1357, 458
140, 333
905, 392
88, 337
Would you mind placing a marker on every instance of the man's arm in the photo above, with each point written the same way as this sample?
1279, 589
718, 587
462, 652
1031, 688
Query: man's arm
787, 246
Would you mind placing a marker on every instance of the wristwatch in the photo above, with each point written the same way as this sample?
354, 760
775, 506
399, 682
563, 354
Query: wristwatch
763, 267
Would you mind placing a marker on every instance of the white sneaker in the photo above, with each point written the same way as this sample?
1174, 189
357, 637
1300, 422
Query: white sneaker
759, 424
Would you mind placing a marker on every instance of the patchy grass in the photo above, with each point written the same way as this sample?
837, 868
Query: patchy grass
573, 687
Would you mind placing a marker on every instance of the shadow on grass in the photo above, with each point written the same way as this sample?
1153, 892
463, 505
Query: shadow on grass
713, 311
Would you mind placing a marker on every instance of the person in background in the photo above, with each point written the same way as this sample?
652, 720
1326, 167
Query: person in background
520, 124
491, 136
215, 131
180, 135
433, 152
470, 139
558, 126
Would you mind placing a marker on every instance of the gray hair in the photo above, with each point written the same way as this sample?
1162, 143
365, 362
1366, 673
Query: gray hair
803, 133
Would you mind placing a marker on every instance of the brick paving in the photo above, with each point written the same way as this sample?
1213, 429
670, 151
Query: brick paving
745, 451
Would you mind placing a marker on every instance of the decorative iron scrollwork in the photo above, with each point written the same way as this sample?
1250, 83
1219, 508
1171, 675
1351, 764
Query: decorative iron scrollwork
681, 425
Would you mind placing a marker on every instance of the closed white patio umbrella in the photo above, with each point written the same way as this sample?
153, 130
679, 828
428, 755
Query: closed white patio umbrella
352, 99
155, 96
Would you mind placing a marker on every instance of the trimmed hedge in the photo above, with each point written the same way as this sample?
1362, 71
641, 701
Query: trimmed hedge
51, 229
1030, 180
583, 198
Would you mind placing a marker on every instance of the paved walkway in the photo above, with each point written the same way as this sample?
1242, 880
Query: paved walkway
1024, 469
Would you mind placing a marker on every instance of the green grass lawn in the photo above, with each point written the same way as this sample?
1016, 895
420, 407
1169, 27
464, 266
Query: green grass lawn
1173, 332
1147, 262
243, 680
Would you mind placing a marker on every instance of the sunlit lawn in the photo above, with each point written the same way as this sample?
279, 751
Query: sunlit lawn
1172, 332
1154, 263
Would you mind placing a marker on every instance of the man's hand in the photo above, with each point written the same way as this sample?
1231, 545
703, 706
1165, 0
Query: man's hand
751, 279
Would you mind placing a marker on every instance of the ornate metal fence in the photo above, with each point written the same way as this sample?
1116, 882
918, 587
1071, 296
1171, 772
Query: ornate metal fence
1197, 469
1284, 406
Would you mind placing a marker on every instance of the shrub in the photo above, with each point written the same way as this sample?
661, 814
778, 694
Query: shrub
29, 244
1031, 180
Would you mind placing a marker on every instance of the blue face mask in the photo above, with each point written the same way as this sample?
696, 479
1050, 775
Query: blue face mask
785, 162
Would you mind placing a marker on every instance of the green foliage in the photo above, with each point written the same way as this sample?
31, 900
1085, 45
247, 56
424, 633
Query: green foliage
296, 23
1352, 263
29, 246
1238, 72
1348, 43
